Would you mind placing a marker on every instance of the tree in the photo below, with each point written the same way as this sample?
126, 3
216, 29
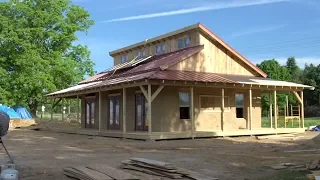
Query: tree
37, 51
293, 69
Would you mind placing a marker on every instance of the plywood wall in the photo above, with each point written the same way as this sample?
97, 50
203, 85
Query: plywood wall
214, 58
171, 45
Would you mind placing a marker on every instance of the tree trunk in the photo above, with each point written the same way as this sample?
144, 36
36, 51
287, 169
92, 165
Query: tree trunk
33, 110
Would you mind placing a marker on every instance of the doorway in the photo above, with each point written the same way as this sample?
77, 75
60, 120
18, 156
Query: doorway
114, 113
90, 113
141, 112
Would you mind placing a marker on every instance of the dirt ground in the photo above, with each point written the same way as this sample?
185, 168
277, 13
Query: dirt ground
42, 155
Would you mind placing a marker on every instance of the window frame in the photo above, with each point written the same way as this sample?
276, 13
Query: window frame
185, 106
226, 109
242, 106
141, 54
122, 57
162, 48
186, 41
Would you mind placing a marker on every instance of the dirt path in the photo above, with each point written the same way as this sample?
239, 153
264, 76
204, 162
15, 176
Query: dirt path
43, 155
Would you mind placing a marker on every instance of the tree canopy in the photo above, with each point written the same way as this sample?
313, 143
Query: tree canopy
38, 53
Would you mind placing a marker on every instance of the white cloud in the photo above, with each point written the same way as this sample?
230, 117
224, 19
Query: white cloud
256, 30
215, 6
301, 61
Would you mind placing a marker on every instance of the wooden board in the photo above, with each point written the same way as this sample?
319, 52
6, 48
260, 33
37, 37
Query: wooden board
153, 172
154, 163
195, 175
112, 172
83, 173
143, 165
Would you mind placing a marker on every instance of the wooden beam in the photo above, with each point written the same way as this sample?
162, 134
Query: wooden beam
270, 104
155, 94
222, 109
297, 96
275, 109
100, 111
250, 108
287, 106
124, 110
144, 92
52, 107
192, 112
302, 109
62, 110
149, 110
78, 108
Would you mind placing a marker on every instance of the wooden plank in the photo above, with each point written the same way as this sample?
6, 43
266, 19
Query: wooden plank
196, 176
297, 96
155, 94
154, 163
270, 104
250, 108
153, 171
95, 175
192, 113
144, 92
147, 171
302, 109
275, 110
222, 109
124, 110
112, 172
144, 165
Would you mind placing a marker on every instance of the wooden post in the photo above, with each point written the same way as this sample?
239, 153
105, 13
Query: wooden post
275, 110
124, 110
192, 112
287, 106
69, 108
250, 108
52, 109
78, 108
149, 110
302, 109
270, 104
100, 111
62, 110
285, 115
222, 109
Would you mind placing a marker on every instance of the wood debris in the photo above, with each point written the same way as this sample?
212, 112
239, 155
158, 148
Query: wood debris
314, 165
163, 169
98, 172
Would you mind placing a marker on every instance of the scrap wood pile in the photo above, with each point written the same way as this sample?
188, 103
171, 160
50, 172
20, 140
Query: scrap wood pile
97, 172
159, 168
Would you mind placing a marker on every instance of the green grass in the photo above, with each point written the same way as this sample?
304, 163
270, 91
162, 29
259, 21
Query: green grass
289, 175
314, 121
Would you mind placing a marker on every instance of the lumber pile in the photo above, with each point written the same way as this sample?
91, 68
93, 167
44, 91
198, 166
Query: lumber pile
98, 172
314, 165
163, 169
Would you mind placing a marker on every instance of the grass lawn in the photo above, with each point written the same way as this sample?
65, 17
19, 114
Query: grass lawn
314, 121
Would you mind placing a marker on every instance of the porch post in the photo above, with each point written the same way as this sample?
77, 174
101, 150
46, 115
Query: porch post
100, 111
149, 109
302, 108
124, 110
52, 109
62, 110
275, 110
78, 108
250, 108
270, 104
192, 112
222, 109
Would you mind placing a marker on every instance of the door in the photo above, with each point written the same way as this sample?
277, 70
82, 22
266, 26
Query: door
90, 113
114, 113
141, 112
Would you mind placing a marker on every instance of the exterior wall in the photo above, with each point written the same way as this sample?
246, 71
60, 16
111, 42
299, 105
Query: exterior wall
171, 45
165, 110
214, 58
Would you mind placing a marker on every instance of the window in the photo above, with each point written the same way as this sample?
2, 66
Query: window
114, 112
184, 105
124, 58
239, 105
184, 42
161, 49
141, 54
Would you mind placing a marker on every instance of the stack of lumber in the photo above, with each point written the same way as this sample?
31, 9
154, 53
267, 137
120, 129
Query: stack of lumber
314, 165
97, 172
163, 169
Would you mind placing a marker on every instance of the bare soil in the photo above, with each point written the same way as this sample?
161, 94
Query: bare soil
42, 155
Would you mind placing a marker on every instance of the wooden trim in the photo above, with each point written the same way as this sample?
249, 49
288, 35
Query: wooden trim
222, 109
144, 92
124, 110
149, 110
250, 108
275, 110
297, 96
302, 109
100, 111
155, 94
114, 94
192, 112
270, 104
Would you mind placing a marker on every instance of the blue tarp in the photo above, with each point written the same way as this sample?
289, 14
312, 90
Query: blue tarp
12, 114
317, 128
22, 112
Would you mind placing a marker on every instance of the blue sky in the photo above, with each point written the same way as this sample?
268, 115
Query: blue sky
258, 29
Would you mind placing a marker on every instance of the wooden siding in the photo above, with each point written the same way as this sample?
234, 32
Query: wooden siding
214, 58
171, 45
